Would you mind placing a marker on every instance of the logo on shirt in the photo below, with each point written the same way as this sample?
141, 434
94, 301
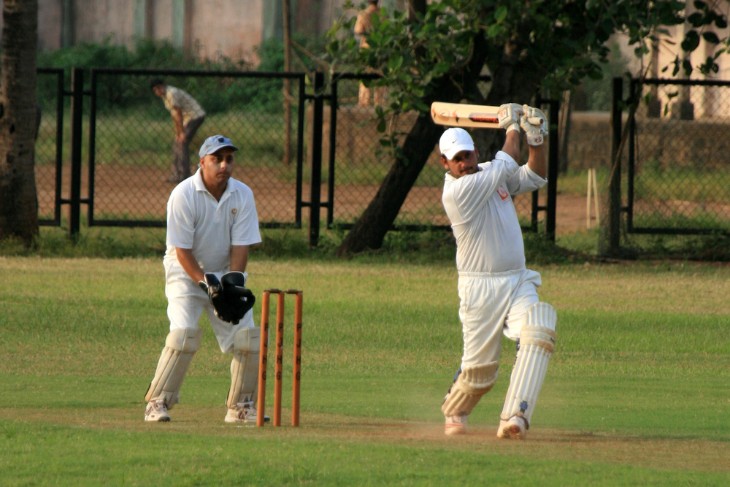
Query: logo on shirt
503, 193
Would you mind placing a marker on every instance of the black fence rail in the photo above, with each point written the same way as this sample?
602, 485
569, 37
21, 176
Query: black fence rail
49, 146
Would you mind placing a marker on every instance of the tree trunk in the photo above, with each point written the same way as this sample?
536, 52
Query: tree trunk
18, 198
370, 229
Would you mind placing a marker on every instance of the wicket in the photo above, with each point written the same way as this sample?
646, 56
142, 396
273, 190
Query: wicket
278, 366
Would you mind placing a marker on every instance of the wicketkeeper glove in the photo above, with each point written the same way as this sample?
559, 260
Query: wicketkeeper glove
509, 116
535, 124
229, 296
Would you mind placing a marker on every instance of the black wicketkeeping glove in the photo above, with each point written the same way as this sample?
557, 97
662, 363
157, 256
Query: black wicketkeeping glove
230, 299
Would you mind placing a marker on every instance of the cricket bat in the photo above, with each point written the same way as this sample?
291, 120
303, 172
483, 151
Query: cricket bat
461, 115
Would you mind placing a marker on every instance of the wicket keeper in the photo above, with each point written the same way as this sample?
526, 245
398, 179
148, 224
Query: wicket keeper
211, 222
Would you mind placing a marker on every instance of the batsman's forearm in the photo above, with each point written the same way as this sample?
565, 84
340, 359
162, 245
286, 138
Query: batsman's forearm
537, 160
512, 144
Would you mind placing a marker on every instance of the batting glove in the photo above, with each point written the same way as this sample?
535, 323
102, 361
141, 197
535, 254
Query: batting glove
509, 115
535, 124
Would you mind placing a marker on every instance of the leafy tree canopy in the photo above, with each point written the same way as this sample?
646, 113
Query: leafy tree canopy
561, 42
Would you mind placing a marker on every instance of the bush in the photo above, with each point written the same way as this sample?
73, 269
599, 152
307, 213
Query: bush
217, 94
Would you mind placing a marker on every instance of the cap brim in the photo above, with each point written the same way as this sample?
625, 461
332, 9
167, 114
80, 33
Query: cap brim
455, 150
225, 146
213, 150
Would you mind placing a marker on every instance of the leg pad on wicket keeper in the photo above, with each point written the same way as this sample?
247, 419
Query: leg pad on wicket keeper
244, 367
180, 347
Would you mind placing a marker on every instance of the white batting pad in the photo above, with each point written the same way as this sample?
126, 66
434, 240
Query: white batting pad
537, 341
180, 346
469, 387
244, 366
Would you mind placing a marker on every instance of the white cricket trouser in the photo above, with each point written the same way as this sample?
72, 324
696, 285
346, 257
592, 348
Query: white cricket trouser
186, 302
492, 304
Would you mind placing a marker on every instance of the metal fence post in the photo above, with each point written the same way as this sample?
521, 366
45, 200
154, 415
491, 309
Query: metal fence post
316, 178
552, 170
77, 102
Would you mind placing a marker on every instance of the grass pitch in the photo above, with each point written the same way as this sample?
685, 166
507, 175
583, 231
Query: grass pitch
636, 393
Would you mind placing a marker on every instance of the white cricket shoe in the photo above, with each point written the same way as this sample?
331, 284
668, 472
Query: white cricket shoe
455, 425
244, 412
156, 410
515, 428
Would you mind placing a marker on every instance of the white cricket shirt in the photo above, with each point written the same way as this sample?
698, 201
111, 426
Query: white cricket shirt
195, 220
483, 216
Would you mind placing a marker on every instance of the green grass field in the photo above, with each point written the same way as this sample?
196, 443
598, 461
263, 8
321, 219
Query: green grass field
636, 394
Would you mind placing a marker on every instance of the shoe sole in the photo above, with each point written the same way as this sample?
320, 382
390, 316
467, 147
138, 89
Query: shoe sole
159, 420
511, 432
454, 430
240, 421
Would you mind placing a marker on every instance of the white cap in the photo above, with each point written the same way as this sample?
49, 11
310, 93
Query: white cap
215, 143
455, 140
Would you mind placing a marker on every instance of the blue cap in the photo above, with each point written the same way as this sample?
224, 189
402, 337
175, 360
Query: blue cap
215, 143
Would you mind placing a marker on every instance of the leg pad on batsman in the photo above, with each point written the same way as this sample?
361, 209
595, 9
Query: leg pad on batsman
537, 341
468, 389
278, 366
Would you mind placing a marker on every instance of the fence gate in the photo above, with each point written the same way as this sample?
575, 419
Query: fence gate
130, 139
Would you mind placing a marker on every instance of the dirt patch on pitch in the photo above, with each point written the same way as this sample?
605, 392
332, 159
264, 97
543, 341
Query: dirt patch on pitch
663, 453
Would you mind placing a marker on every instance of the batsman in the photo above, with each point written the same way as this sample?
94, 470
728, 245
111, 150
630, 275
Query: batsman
497, 292
211, 222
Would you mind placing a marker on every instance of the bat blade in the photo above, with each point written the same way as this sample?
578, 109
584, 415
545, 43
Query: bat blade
462, 115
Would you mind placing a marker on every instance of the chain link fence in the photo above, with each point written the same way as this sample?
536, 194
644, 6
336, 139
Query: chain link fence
362, 161
131, 142
679, 174
128, 136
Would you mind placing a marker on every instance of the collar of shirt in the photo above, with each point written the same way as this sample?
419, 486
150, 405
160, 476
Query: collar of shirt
200, 185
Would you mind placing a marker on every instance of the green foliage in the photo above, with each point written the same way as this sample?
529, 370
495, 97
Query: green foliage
216, 94
561, 43
594, 92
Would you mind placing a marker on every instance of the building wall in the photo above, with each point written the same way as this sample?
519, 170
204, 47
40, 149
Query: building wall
208, 28
222, 27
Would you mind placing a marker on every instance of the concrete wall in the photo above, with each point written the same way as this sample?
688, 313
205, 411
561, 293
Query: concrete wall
662, 142
217, 29
206, 28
